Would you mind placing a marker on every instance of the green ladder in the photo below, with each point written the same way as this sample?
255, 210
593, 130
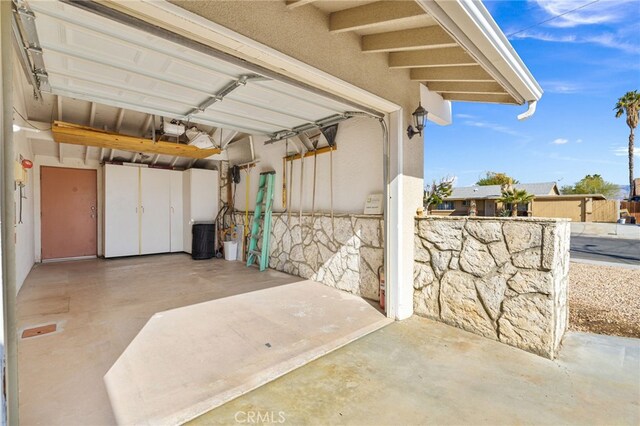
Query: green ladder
264, 204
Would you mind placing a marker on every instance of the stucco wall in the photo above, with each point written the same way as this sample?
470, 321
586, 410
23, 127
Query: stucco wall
357, 171
344, 253
502, 278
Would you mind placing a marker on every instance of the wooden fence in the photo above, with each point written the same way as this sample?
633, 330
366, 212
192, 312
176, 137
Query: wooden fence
633, 207
604, 211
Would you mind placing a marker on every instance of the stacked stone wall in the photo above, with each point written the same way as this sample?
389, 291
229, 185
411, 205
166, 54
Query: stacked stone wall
505, 279
344, 253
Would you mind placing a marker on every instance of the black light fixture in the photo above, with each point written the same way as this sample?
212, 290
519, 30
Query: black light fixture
420, 120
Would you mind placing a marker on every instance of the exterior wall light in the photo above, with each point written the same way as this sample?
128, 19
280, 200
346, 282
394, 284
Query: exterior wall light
420, 120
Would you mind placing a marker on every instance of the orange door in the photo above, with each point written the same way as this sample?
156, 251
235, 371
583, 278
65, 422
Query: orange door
69, 212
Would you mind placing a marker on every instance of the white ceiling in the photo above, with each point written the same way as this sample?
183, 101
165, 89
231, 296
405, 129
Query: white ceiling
94, 59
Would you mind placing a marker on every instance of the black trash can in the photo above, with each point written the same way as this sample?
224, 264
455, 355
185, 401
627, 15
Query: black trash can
203, 243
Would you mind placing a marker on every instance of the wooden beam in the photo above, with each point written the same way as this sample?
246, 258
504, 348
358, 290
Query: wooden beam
119, 119
466, 87
80, 135
430, 58
92, 114
474, 73
432, 37
319, 151
373, 14
474, 97
292, 4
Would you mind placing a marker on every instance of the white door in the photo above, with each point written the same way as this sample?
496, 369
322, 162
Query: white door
121, 227
155, 205
177, 238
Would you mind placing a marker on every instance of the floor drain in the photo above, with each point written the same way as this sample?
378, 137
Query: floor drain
39, 331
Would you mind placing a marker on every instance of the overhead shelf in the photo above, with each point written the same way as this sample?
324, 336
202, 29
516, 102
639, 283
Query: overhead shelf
80, 135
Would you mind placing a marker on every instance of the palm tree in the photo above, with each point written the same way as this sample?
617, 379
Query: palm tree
513, 196
630, 104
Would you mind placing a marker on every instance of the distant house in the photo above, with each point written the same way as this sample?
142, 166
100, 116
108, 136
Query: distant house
486, 198
548, 202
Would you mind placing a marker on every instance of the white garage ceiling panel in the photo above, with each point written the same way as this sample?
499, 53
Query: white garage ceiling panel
93, 58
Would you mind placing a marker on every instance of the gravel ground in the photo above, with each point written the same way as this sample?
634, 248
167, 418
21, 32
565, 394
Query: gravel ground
604, 300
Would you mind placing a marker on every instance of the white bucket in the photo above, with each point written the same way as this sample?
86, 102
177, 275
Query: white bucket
230, 250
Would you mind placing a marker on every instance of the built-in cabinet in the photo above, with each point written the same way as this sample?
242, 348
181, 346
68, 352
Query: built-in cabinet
149, 210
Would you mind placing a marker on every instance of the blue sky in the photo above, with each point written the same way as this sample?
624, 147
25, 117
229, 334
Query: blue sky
584, 61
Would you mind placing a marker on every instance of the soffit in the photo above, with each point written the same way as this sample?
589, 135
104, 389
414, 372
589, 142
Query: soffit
413, 40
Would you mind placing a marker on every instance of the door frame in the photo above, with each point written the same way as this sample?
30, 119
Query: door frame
71, 163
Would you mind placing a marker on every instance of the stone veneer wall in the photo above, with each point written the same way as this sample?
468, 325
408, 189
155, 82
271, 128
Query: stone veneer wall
502, 278
345, 255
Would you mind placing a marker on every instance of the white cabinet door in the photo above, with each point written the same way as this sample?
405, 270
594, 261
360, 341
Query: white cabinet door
200, 194
155, 205
204, 194
177, 237
121, 226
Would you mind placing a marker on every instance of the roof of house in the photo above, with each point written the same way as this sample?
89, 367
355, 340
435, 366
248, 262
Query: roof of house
494, 191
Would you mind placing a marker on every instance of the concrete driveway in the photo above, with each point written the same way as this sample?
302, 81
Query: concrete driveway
603, 249
419, 371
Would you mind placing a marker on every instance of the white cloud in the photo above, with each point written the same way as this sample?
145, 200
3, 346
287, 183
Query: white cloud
469, 116
608, 40
562, 87
600, 12
560, 141
492, 126
623, 151
579, 141
538, 35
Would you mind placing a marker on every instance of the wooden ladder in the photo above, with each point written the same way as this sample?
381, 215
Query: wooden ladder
262, 216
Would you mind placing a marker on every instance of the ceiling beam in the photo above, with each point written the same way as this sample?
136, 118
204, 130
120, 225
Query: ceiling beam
372, 15
146, 124
59, 102
463, 73
81, 135
474, 97
430, 58
432, 37
223, 136
119, 119
467, 87
92, 114
292, 4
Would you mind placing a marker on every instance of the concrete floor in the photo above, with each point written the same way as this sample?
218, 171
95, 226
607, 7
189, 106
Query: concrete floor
423, 372
102, 307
